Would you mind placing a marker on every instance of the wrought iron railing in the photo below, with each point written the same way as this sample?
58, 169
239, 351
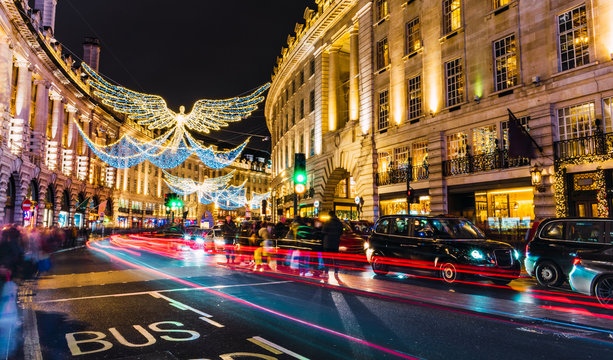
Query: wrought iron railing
399, 175
597, 144
148, 212
484, 162
123, 210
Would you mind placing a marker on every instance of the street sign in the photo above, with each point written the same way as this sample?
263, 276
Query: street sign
26, 205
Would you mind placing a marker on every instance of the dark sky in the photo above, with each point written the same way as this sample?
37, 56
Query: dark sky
185, 50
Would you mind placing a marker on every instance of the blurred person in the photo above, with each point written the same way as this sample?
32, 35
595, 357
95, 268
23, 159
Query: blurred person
332, 231
305, 231
280, 229
229, 235
11, 251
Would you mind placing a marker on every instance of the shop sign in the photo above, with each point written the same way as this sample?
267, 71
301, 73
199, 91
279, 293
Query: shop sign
316, 203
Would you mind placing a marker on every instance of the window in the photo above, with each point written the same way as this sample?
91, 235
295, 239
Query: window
383, 110
293, 116
500, 3
419, 153
380, 10
401, 157
312, 142
14, 85
576, 121
383, 162
452, 15
382, 226
312, 101
413, 36
301, 113
485, 140
573, 38
414, 97
301, 77
293, 86
399, 226
312, 67
505, 63
383, 54
457, 145
302, 149
607, 109
454, 82
586, 231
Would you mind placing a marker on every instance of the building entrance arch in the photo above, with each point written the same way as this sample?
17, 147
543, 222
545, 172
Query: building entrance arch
49, 207
9, 209
339, 195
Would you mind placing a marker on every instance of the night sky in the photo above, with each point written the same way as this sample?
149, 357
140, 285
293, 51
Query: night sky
185, 50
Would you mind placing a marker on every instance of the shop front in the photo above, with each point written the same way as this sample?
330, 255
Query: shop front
588, 190
308, 211
495, 208
396, 204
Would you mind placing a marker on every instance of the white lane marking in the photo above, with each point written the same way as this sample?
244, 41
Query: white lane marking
262, 345
160, 291
214, 323
178, 306
280, 348
186, 307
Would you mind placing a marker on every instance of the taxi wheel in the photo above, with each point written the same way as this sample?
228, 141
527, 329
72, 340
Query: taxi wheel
378, 266
548, 274
603, 289
449, 272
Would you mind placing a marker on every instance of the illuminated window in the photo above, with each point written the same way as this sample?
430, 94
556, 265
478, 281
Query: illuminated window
14, 84
413, 36
50, 119
607, 109
452, 15
457, 145
454, 82
401, 157
383, 110
419, 153
312, 101
383, 54
381, 10
576, 121
505, 59
383, 161
573, 38
65, 129
33, 104
341, 189
500, 3
414, 97
301, 149
484, 140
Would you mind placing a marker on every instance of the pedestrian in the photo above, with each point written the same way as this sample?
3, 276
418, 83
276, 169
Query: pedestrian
11, 251
332, 231
229, 235
280, 229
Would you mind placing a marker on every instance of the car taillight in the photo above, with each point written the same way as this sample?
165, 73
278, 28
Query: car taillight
576, 261
527, 246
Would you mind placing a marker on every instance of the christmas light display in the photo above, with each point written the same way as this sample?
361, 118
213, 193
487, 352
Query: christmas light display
256, 200
174, 146
183, 186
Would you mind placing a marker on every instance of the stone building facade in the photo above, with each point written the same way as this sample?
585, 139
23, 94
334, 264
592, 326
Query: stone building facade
374, 92
43, 158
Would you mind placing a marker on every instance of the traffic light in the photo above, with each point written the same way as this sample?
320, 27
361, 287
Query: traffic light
172, 200
300, 175
410, 195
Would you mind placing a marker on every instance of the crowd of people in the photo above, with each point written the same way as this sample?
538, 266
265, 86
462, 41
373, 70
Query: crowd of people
252, 243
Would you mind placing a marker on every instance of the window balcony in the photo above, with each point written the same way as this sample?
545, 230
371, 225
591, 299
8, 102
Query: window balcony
598, 144
399, 175
481, 163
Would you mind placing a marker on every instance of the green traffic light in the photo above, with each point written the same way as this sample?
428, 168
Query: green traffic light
300, 178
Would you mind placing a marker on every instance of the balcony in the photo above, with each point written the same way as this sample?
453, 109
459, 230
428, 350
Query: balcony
137, 211
123, 210
399, 175
148, 212
481, 163
598, 144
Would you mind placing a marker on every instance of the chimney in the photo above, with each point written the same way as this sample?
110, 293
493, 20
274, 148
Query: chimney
47, 10
91, 52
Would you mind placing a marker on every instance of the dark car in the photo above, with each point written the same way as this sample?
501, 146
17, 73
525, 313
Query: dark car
592, 274
550, 253
350, 243
449, 246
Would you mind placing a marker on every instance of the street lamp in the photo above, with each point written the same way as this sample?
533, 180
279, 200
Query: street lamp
536, 176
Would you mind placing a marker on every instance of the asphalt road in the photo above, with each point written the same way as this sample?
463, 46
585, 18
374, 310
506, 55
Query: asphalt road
111, 303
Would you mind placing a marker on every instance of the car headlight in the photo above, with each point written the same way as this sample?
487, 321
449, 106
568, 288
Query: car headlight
342, 248
186, 237
516, 254
366, 245
199, 241
476, 254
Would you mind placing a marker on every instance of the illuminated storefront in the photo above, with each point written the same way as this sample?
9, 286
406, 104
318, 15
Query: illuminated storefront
398, 206
505, 209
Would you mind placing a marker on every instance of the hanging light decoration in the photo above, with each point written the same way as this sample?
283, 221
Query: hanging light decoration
174, 146
256, 200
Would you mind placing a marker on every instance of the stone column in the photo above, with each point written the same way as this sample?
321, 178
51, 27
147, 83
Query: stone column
40, 121
354, 69
68, 152
17, 133
53, 144
364, 18
333, 88
438, 185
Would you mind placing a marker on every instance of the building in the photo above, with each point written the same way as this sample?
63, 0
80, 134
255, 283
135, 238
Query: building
377, 91
44, 162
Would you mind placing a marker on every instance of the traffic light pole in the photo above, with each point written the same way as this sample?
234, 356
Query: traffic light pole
295, 205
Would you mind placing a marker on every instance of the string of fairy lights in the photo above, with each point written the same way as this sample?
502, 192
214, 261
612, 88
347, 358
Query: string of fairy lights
176, 144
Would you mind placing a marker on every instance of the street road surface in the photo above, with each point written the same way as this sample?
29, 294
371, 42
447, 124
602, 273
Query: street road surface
106, 302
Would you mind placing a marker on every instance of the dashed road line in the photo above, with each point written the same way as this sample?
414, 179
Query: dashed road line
278, 347
214, 323
180, 304
265, 346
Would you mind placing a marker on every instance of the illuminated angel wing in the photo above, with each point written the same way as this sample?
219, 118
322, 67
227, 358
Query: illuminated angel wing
207, 115
149, 110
